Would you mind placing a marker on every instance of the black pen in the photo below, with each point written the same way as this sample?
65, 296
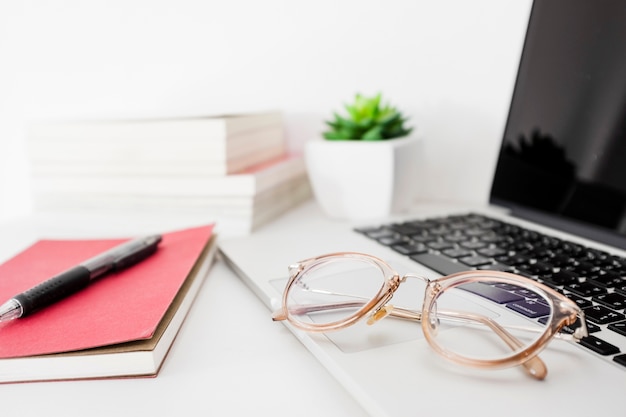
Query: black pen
79, 277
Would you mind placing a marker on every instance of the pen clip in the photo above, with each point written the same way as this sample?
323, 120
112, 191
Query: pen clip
149, 246
122, 256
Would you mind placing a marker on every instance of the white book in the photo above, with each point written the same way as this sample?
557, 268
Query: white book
242, 206
128, 166
212, 145
231, 219
245, 183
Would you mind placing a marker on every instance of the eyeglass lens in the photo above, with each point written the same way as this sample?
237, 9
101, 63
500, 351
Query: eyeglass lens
334, 291
487, 320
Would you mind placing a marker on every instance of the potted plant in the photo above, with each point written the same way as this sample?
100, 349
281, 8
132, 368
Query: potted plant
364, 167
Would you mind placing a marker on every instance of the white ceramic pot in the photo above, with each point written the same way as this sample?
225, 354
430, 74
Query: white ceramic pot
359, 180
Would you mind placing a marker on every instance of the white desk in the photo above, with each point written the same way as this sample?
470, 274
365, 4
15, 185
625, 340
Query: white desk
229, 357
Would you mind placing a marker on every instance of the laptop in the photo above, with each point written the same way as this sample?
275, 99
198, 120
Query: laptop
557, 214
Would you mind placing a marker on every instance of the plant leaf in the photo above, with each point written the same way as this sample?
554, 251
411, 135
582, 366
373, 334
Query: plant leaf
373, 134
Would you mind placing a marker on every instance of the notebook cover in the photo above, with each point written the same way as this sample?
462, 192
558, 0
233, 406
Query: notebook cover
118, 308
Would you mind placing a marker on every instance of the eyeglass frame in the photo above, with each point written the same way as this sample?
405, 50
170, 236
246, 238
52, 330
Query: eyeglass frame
564, 312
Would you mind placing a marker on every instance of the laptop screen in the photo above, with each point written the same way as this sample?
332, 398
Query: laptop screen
563, 157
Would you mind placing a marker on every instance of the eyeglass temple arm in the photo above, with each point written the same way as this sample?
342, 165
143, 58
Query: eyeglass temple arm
280, 315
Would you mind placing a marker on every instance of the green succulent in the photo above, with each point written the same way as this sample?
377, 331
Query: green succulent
367, 120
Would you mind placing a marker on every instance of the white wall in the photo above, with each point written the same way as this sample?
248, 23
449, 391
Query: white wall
448, 64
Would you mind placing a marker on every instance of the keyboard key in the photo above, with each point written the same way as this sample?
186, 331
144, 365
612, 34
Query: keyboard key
497, 267
492, 293
377, 233
618, 262
475, 260
613, 300
491, 252
585, 289
473, 244
585, 268
390, 240
514, 260
457, 252
621, 289
608, 279
621, 359
476, 231
440, 245
561, 260
618, 327
599, 346
508, 287
524, 292
439, 263
404, 229
530, 308
581, 302
421, 238
494, 238
537, 268
602, 315
541, 253
439, 231
570, 248
410, 248
455, 237
563, 277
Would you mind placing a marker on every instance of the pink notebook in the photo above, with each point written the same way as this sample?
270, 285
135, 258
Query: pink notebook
121, 307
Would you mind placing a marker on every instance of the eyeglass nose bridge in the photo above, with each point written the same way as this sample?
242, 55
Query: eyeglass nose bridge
383, 309
431, 290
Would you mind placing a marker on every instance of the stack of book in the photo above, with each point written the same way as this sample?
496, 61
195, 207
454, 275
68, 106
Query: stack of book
236, 169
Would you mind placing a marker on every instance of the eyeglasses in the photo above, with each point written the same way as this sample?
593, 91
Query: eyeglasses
484, 319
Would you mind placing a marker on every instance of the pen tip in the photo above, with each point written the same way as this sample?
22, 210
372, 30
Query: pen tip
10, 310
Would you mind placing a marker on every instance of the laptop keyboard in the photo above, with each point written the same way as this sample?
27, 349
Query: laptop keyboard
594, 279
